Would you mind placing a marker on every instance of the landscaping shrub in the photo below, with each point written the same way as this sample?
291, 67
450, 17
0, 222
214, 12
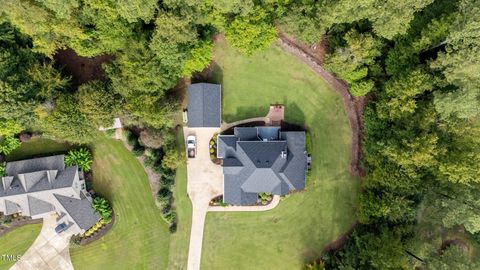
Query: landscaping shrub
132, 139
308, 142
167, 180
171, 216
2, 169
102, 206
154, 158
264, 197
138, 150
110, 132
8, 144
173, 227
5, 220
164, 196
80, 157
75, 241
173, 159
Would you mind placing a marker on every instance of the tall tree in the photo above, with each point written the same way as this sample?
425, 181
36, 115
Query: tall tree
460, 65
352, 62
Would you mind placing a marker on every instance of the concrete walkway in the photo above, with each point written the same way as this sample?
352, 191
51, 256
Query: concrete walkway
205, 181
254, 208
50, 251
226, 126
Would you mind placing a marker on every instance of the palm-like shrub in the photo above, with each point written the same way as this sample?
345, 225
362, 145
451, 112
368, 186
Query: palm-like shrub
264, 197
2, 169
8, 144
102, 206
80, 157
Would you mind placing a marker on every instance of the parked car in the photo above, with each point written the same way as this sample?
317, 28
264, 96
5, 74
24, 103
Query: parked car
61, 227
191, 146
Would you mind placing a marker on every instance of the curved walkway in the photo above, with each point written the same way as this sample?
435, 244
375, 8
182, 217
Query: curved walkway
50, 251
226, 126
254, 208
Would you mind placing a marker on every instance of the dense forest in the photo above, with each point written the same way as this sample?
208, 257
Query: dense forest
416, 61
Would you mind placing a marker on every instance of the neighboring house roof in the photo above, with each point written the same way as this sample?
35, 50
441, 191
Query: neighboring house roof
42, 185
204, 105
36, 164
261, 159
80, 210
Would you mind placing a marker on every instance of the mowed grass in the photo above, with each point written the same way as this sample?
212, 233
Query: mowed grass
38, 147
179, 241
139, 238
17, 242
302, 225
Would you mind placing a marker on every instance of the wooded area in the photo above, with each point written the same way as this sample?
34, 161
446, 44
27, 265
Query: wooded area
417, 61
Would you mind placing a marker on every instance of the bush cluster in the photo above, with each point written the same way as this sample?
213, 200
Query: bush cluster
165, 198
80, 157
132, 140
163, 162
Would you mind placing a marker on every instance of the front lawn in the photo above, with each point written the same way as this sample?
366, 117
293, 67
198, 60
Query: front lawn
139, 239
304, 223
17, 242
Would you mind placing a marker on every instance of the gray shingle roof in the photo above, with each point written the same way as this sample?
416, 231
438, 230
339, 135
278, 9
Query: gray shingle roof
38, 206
80, 210
38, 185
11, 207
36, 164
276, 165
226, 143
204, 105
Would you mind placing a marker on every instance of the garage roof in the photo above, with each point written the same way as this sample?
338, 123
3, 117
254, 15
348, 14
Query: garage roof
204, 105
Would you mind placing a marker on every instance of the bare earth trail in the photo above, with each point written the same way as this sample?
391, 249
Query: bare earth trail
354, 106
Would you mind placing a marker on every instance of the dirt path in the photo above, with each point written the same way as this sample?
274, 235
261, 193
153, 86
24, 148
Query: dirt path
82, 69
353, 106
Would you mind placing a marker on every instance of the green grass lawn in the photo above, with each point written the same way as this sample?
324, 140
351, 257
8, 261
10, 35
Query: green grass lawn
179, 241
38, 147
17, 242
139, 239
305, 222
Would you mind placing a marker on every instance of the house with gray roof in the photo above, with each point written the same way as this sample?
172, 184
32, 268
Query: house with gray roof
204, 105
261, 159
41, 186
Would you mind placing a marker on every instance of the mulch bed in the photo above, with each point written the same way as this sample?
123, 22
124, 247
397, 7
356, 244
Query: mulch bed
18, 222
98, 234
354, 106
82, 69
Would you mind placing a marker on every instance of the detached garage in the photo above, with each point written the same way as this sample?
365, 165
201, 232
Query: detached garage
204, 105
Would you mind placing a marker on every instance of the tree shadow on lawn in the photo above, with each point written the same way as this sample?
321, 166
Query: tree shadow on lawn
211, 74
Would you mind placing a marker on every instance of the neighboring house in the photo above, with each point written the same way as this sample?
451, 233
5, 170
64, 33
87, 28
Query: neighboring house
261, 159
204, 105
37, 187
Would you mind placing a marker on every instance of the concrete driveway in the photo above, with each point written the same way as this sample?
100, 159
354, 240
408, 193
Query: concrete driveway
49, 251
205, 181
